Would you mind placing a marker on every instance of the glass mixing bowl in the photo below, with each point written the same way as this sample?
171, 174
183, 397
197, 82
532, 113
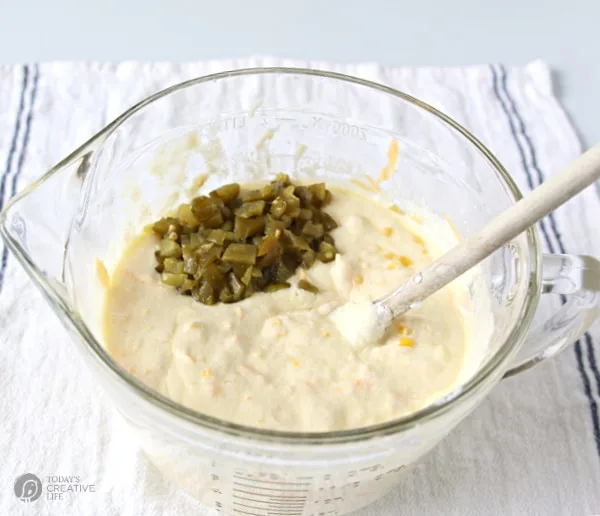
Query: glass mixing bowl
251, 124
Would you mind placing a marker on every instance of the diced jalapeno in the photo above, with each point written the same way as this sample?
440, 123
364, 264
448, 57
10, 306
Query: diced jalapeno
225, 246
227, 193
240, 253
307, 285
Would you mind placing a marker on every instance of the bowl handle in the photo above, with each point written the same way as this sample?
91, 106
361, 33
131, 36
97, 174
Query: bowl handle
576, 279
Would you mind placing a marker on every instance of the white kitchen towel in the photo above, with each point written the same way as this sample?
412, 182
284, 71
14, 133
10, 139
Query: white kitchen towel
532, 447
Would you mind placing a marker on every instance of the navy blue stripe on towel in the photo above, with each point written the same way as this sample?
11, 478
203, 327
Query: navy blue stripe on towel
552, 217
15, 136
513, 116
21, 160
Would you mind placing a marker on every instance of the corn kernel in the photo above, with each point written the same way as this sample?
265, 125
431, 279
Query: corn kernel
417, 239
387, 231
403, 330
406, 261
358, 279
406, 342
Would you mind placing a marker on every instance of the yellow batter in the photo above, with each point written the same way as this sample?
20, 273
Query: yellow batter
277, 360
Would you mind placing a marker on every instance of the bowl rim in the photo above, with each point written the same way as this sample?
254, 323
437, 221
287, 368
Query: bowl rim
531, 281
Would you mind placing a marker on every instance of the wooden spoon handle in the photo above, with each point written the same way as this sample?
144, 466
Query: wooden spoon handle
557, 190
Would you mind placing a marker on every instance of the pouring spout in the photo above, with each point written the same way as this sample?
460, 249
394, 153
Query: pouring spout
37, 222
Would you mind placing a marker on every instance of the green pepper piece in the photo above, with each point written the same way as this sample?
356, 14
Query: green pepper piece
186, 215
305, 214
168, 248
174, 280
283, 272
226, 212
319, 192
240, 253
313, 230
227, 193
326, 252
268, 244
272, 226
246, 228
173, 265
294, 242
292, 208
328, 222
251, 196
246, 278
190, 265
307, 285
251, 209
195, 241
204, 293
282, 179
274, 287
308, 259
187, 286
269, 192
278, 207
215, 221
213, 276
216, 235
209, 256
227, 225
166, 225
272, 257
236, 286
304, 194
226, 296
205, 208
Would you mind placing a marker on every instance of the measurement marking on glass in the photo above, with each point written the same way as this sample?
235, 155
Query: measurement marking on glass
270, 512
270, 505
272, 497
270, 488
246, 512
282, 503
251, 479
248, 506
289, 511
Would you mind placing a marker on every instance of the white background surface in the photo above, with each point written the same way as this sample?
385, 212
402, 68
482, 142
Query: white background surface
393, 33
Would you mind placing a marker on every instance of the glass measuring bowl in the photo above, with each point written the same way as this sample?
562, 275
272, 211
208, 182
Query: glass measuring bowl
248, 124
